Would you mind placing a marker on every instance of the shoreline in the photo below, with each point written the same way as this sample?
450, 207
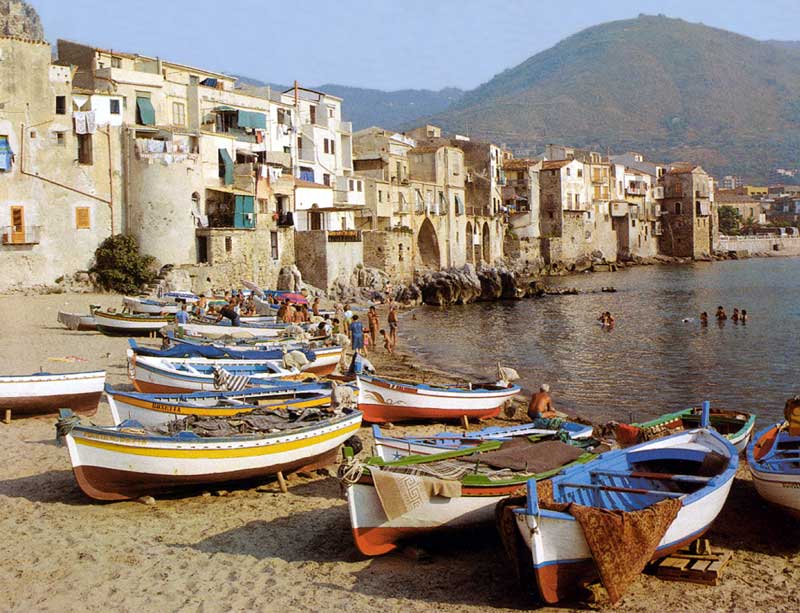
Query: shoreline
228, 549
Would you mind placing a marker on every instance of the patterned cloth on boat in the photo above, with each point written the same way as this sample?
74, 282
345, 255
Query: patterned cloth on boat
621, 542
400, 494
223, 380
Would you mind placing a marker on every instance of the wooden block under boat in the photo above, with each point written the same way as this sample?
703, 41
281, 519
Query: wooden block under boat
688, 565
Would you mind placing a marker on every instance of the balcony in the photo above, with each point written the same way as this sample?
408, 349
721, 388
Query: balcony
599, 178
637, 189
21, 235
344, 236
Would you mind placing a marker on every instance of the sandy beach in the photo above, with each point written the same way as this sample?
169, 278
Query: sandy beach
257, 549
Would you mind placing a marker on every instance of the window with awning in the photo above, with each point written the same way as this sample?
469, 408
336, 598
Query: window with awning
225, 166
145, 113
252, 119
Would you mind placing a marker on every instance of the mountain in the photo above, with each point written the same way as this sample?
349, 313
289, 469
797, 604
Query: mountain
18, 18
669, 89
374, 107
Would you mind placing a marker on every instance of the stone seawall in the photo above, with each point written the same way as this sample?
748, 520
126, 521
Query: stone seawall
787, 245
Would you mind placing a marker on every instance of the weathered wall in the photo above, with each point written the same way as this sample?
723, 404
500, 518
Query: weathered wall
321, 261
391, 252
774, 244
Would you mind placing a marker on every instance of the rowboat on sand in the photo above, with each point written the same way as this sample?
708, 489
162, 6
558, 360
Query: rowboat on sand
42, 393
150, 306
156, 409
737, 426
78, 321
218, 331
774, 460
384, 400
176, 375
665, 493
391, 448
129, 461
393, 501
127, 324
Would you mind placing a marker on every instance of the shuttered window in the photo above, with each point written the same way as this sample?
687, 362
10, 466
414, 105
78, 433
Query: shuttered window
82, 218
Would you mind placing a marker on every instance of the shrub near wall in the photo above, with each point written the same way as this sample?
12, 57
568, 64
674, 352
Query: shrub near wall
120, 267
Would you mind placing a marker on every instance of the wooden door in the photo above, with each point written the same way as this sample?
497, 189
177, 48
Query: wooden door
17, 224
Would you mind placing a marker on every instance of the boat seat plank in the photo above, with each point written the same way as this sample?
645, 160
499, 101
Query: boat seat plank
651, 475
628, 490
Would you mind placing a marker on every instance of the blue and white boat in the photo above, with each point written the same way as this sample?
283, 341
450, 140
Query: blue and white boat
390, 448
774, 461
694, 467
196, 350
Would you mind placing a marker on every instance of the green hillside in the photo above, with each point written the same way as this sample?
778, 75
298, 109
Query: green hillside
668, 88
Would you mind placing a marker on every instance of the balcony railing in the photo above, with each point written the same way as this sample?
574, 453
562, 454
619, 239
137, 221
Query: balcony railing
344, 236
21, 235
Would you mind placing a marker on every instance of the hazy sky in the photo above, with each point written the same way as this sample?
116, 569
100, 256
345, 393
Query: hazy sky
383, 44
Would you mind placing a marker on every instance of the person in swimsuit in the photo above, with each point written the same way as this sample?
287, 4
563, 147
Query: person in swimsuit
541, 404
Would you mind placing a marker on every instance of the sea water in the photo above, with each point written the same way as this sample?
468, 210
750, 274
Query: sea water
657, 358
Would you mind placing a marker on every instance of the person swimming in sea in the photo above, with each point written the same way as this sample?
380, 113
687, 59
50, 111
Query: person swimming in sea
703, 318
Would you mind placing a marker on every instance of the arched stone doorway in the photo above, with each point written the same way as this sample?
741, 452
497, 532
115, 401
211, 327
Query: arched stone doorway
486, 243
428, 245
470, 251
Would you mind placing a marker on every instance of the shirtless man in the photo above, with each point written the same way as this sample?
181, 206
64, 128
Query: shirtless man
541, 404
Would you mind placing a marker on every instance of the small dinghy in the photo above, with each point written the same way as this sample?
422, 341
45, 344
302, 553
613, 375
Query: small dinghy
774, 460
222, 330
156, 409
128, 324
43, 393
79, 321
626, 508
737, 426
391, 448
129, 461
384, 400
150, 306
393, 501
176, 375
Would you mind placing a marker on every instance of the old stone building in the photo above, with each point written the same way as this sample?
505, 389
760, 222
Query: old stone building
60, 169
690, 222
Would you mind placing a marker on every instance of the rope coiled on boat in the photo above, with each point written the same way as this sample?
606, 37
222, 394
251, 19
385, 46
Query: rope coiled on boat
64, 426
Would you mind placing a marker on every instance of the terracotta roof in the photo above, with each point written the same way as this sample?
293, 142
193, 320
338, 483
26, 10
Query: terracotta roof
301, 183
555, 164
519, 164
682, 169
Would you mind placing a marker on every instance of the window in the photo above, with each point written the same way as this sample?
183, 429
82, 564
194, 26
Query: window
194, 79
61, 105
326, 179
85, 149
116, 62
113, 106
333, 146
299, 143
312, 111
568, 171
284, 117
263, 205
145, 113
325, 145
178, 114
380, 196
82, 218
352, 185
678, 208
579, 171
330, 112
228, 244
273, 244
60, 139
359, 186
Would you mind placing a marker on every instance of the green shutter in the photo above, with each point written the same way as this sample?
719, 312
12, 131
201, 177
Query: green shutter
227, 171
248, 207
238, 212
147, 113
249, 119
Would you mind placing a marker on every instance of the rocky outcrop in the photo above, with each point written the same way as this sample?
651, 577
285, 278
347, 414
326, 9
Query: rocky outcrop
18, 18
466, 284
289, 279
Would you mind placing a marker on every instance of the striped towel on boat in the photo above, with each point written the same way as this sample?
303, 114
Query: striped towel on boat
223, 380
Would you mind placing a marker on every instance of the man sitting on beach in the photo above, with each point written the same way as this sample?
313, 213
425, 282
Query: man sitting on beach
541, 404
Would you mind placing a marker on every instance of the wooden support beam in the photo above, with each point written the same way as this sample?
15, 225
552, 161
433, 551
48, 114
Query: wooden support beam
465, 422
7, 416
282, 482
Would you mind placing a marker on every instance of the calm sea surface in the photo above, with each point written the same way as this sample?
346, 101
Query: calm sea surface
651, 362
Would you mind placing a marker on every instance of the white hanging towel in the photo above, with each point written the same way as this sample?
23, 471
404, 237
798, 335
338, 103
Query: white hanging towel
80, 122
91, 122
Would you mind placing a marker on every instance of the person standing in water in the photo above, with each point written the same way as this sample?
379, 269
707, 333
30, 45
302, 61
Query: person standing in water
735, 316
392, 319
703, 318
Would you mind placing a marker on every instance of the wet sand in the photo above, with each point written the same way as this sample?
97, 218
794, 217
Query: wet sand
251, 547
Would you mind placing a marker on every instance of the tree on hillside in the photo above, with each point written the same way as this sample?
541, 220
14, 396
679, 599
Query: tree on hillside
730, 220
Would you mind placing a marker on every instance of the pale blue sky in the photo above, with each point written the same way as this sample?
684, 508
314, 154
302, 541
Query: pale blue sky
382, 44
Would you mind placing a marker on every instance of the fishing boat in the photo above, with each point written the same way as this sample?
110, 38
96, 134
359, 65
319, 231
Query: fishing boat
42, 393
774, 461
129, 461
220, 330
150, 306
393, 501
128, 324
180, 349
391, 448
384, 400
176, 375
669, 491
156, 409
78, 321
737, 426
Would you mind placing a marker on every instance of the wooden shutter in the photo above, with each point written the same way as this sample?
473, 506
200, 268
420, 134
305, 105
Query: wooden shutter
82, 218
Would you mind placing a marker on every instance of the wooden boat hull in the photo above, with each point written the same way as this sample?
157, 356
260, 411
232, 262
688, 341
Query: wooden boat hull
150, 307
116, 324
151, 377
390, 448
151, 410
383, 400
44, 394
113, 465
736, 426
561, 557
777, 484
375, 534
213, 331
77, 321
